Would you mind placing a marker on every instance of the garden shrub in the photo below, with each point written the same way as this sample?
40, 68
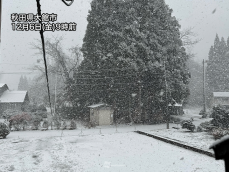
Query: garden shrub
219, 133
36, 120
8, 113
206, 126
4, 130
45, 124
220, 117
19, 121
42, 108
72, 125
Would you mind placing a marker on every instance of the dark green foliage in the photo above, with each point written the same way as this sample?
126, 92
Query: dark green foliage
219, 133
7, 114
125, 47
72, 125
20, 121
203, 113
220, 117
42, 114
217, 73
206, 126
36, 120
4, 130
23, 84
188, 125
45, 124
42, 108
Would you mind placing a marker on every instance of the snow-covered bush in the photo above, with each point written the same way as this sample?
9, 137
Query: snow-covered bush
19, 121
4, 130
207, 126
203, 114
188, 125
220, 117
8, 113
72, 125
45, 124
219, 133
36, 120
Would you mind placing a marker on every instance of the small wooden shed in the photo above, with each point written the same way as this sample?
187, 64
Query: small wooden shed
101, 114
176, 109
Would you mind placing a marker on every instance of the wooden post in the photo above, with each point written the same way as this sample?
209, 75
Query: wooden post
0, 18
204, 104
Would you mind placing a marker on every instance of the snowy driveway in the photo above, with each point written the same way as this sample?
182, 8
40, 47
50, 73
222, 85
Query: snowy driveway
46, 151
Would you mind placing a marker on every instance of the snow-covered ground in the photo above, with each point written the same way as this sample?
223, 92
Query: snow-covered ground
92, 150
194, 114
200, 140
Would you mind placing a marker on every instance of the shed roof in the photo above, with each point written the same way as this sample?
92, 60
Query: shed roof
13, 96
220, 94
97, 105
176, 104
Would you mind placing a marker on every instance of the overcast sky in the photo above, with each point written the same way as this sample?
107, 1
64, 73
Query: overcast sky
17, 55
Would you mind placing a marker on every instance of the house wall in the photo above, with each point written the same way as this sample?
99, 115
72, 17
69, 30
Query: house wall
5, 106
106, 116
101, 116
221, 101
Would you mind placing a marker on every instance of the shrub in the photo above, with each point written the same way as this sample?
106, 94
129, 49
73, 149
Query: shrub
219, 133
188, 125
4, 130
36, 120
199, 129
19, 121
220, 117
42, 114
203, 114
8, 113
42, 108
72, 125
45, 124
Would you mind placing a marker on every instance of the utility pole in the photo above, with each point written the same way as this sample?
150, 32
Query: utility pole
204, 104
166, 102
55, 96
139, 97
0, 18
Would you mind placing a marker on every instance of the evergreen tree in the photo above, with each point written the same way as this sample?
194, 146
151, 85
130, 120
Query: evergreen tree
217, 74
131, 46
23, 84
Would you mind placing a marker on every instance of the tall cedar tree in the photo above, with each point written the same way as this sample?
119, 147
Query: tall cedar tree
129, 47
217, 73
23, 84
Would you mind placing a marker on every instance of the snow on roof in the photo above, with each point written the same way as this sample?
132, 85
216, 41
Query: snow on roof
2, 84
176, 104
96, 105
13, 96
220, 94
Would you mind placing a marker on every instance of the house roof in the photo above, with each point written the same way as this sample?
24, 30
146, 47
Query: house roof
13, 96
220, 94
96, 105
2, 84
